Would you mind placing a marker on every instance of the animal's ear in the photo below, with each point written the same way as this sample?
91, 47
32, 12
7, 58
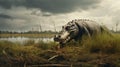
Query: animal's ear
86, 30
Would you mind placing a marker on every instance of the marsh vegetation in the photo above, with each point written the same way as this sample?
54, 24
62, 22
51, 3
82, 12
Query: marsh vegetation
100, 51
29, 35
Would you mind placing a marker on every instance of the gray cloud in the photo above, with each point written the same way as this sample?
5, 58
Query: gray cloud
3, 16
52, 6
28, 14
3, 21
4, 25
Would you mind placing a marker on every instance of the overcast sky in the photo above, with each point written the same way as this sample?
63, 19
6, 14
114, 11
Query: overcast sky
23, 15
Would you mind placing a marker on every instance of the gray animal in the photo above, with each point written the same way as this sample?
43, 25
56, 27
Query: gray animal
75, 29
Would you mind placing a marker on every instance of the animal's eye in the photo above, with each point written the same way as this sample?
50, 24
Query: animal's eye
72, 25
62, 27
67, 28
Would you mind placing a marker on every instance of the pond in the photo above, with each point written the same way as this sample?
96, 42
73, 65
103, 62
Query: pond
23, 39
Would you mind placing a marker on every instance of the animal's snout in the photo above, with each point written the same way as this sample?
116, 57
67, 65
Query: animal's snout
57, 37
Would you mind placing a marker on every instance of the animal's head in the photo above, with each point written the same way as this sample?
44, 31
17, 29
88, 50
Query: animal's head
69, 32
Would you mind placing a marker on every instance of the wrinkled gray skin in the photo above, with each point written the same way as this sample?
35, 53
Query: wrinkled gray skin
75, 29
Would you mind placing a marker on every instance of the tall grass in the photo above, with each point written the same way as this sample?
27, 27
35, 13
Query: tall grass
99, 43
32, 52
20, 53
45, 46
102, 43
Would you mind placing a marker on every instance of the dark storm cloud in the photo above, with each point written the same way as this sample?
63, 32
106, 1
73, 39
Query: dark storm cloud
4, 24
3, 16
53, 6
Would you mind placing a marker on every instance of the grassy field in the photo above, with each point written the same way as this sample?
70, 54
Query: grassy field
99, 51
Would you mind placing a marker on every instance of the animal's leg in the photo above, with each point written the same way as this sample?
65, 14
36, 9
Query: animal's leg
87, 32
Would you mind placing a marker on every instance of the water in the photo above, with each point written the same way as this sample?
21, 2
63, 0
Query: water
23, 39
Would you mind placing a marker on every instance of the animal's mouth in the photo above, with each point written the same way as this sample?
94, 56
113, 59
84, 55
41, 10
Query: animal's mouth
62, 41
66, 40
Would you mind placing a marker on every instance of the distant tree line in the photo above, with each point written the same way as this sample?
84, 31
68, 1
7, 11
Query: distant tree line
28, 32
115, 31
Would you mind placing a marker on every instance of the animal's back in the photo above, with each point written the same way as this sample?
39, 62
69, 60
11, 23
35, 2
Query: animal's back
91, 26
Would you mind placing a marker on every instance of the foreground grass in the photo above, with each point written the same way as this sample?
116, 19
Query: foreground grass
101, 51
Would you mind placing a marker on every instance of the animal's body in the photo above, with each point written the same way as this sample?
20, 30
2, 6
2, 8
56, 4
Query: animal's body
75, 29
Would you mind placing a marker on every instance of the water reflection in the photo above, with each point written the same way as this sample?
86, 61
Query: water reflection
23, 39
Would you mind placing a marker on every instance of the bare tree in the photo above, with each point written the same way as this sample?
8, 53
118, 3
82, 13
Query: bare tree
54, 26
117, 26
40, 28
